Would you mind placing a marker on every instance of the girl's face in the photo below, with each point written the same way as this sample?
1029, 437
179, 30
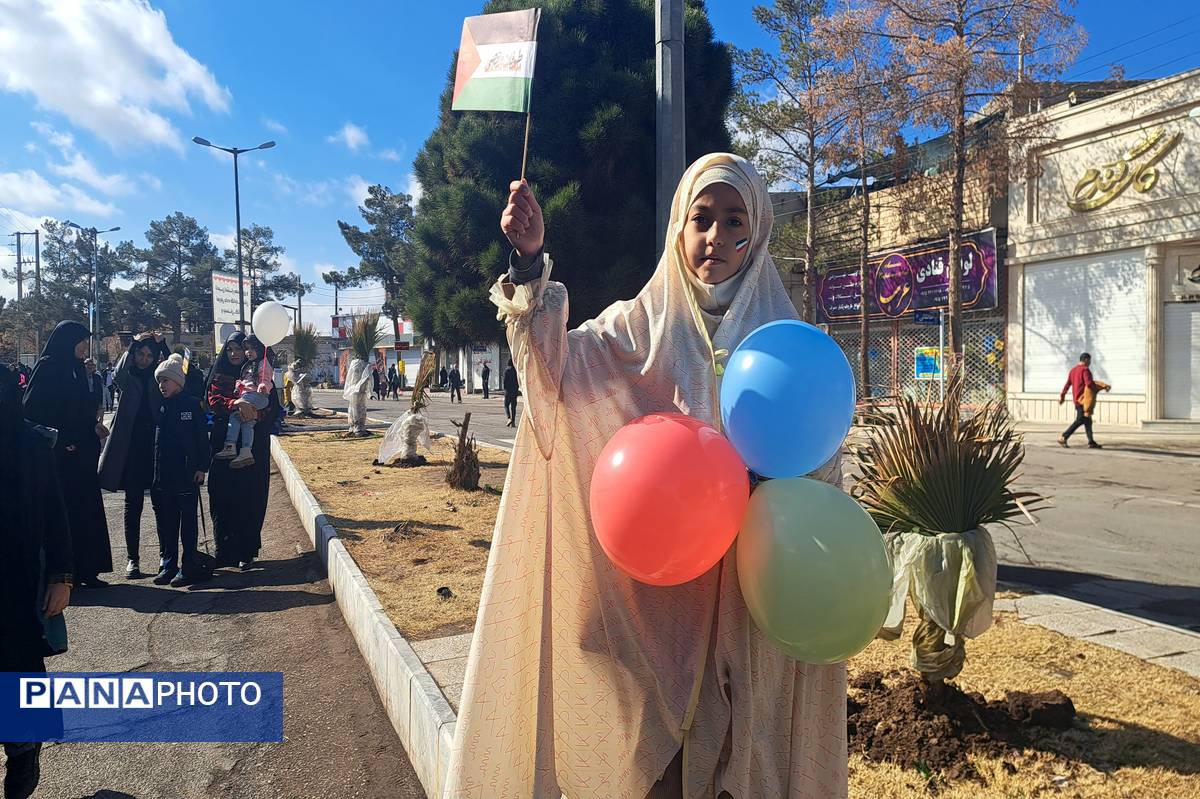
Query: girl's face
236, 355
716, 236
81, 349
253, 354
143, 358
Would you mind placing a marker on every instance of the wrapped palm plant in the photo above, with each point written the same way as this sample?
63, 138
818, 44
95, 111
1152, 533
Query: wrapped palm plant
399, 445
932, 479
304, 342
364, 336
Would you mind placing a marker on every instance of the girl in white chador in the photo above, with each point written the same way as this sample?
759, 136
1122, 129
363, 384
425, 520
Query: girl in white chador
582, 681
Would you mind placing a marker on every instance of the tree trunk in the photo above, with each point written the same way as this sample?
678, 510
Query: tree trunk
864, 329
953, 289
464, 472
809, 312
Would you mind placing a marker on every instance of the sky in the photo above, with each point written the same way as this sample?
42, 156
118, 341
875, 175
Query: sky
101, 100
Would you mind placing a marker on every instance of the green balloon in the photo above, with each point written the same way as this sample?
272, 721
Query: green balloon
813, 570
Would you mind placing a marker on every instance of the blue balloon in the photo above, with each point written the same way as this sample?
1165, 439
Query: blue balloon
787, 399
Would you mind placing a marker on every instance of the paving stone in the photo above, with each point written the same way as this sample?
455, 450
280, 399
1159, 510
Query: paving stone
448, 672
1188, 662
1045, 604
1086, 623
448, 648
1004, 606
1149, 642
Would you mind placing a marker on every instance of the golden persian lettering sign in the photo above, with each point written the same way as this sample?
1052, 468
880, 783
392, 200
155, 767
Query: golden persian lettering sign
1136, 166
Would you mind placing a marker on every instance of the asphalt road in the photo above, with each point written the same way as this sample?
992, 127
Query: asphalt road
280, 616
1122, 528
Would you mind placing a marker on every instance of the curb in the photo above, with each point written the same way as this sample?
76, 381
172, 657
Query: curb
419, 713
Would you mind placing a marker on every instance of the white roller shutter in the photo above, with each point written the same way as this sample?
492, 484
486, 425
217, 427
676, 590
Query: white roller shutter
1094, 303
1181, 360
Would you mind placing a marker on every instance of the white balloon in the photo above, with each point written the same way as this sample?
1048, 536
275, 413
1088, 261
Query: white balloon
271, 321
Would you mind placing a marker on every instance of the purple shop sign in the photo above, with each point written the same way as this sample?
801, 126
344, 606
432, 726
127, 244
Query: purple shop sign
911, 279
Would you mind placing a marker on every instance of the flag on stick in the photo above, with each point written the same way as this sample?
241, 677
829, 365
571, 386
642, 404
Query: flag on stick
495, 62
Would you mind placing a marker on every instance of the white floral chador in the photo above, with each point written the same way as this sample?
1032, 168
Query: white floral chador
582, 681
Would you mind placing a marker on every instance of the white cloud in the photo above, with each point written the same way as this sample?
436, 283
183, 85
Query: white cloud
110, 66
274, 125
356, 189
222, 241
314, 192
28, 189
152, 182
351, 135
77, 167
389, 155
414, 188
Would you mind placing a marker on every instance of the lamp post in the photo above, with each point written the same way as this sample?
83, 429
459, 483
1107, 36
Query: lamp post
94, 310
237, 210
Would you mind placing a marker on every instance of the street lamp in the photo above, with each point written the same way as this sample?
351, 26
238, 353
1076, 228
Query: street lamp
237, 209
94, 311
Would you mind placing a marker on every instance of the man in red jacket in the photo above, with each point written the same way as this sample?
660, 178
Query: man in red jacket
1078, 380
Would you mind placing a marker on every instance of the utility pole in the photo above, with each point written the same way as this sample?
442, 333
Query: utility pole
299, 302
20, 292
668, 37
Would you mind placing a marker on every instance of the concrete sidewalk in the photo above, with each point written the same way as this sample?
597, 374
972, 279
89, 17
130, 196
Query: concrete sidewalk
279, 616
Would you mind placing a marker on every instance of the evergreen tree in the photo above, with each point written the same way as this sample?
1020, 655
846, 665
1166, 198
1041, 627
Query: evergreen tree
384, 250
177, 272
591, 162
261, 264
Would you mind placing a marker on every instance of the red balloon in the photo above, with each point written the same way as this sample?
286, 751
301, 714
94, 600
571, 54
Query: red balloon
668, 496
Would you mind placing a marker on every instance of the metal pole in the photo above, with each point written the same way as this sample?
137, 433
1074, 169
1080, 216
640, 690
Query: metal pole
942, 353
668, 35
95, 294
237, 210
37, 287
20, 292
299, 302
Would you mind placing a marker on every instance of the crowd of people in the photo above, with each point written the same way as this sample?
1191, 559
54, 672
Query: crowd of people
170, 434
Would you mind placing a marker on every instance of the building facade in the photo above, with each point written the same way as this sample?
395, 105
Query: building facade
1104, 257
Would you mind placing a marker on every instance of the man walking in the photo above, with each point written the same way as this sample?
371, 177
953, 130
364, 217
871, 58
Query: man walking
1083, 392
486, 374
511, 389
455, 384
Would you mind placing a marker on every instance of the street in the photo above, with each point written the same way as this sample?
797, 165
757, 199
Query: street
1120, 530
279, 616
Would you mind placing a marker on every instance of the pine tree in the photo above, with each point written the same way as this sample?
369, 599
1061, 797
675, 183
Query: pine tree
261, 263
591, 162
177, 272
385, 249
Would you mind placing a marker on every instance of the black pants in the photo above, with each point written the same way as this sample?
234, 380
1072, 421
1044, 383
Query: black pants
135, 502
456, 391
510, 407
485, 390
176, 516
1080, 420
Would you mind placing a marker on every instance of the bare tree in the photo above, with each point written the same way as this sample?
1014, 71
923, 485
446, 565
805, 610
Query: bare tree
786, 108
960, 57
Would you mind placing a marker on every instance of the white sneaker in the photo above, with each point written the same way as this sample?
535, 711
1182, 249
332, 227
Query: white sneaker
228, 452
244, 458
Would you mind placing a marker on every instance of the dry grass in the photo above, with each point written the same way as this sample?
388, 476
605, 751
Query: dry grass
1139, 729
1138, 733
446, 534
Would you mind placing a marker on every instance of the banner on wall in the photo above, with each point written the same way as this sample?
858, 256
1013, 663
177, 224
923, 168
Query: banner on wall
225, 297
903, 281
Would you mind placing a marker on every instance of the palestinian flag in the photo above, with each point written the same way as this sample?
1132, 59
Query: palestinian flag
495, 62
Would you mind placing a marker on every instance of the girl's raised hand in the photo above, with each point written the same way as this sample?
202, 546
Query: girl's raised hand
522, 219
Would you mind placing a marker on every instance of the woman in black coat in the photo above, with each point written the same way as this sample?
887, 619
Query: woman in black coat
58, 397
127, 462
237, 499
35, 562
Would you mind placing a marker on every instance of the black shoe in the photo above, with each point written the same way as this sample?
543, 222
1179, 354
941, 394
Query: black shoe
246, 564
23, 773
1094, 445
180, 580
132, 571
224, 560
163, 577
92, 582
